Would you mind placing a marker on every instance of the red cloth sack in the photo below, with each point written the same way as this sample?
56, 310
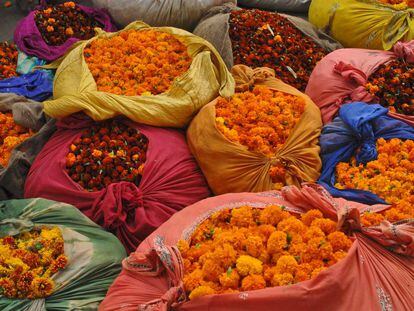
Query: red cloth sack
371, 276
341, 76
171, 180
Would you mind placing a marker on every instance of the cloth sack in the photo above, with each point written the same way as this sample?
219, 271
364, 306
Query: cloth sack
30, 41
340, 77
367, 24
214, 27
354, 133
370, 277
171, 180
75, 90
94, 255
235, 168
28, 114
175, 13
277, 5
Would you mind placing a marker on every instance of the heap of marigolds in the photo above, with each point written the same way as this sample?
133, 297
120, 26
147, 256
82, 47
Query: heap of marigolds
58, 23
248, 248
11, 135
399, 4
8, 60
266, 39
261, 120
391, 177
393, 85
29, 260
106, 153
144, 62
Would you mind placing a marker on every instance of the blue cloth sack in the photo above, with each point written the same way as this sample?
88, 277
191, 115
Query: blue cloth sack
357, 127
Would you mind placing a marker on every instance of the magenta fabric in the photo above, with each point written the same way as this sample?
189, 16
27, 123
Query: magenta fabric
29, 40
340, 78
370, 277
171, 181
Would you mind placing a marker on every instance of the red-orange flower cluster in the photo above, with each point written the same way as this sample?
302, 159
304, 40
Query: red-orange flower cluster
8, 60
135, 62
248, 248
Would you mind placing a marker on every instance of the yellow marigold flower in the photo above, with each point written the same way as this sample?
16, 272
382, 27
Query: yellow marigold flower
230, 279
242, 216
272, 215
326, 225
310, 216
253, 282
287, 264
193, 280
282, 279
248, 265
339, 241
201, 291
277, 242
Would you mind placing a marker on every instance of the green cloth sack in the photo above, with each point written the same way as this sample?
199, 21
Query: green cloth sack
94, 255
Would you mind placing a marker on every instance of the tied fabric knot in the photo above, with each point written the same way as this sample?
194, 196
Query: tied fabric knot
246, 78
368, 151
143, 263
405, 50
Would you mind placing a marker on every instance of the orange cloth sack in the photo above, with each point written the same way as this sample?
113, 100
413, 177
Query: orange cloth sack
231, 167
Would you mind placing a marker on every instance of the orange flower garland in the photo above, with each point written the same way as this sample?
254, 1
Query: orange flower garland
11, 135
29, 260
391, 177
248, 248
261, 120
135, 62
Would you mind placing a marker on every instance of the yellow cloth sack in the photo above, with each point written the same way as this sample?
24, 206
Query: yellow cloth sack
363, 23
75, 90
231, 167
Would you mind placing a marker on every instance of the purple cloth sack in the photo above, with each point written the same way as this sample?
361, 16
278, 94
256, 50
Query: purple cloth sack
29, 40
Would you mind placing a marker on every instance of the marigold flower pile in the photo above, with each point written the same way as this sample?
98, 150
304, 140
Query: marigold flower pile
248, 248
106, 153
393, 85
261, 120
8, 60
266, 39
11, 135
399, 4
391, 177
135, 62
29, 260
58, 23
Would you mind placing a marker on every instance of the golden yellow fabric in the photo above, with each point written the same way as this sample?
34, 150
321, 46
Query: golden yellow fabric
231, 167
363, 23
75, 89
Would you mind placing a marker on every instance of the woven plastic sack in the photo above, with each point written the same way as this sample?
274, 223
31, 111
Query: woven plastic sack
171, 180
214, 27
29, 40
94, 255
28, 114
235, 168
75, 90
355, 133
370, 277
277, 5
175, 13
340, 77
367, 24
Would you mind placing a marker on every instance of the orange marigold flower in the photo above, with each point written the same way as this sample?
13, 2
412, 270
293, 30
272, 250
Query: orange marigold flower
42, 287
242, 217
50, 28
316, 271
291, 225
253, 282
339, 241
212, 270
326, 225
230, 279
193, 280
277, 242
272, 215
287, 264
7, 288
201, 291
265, 231
248, 265
282, 279
313, 232
69, 31
254, 245
310, 216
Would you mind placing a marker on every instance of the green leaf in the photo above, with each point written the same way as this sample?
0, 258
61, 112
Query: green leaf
229, 270
197, 246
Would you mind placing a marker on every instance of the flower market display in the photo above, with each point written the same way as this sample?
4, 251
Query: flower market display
277, 5
263, 137
29, 260
63, 21
107, 153
266, 39
8, 60
248, 249
368, 76
164, 82
118, 67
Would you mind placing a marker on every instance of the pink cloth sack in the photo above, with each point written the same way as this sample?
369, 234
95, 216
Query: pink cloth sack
370, 277
171, 181
340, 78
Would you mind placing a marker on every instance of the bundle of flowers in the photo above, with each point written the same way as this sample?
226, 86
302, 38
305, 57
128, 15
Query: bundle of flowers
261, 120
60, 22
399, 4
392, 84
106, 153
137, 62
248, 248
8, 60
29, 260
11, 135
